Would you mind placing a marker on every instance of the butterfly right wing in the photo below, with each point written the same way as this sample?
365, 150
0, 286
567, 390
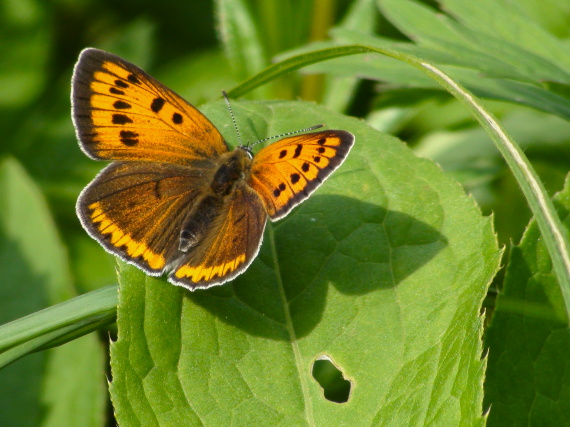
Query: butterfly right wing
136, 210
122, 113
286, 172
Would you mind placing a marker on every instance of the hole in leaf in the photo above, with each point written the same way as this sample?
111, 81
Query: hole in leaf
330, 378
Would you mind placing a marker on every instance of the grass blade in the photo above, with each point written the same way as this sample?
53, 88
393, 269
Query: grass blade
57, 324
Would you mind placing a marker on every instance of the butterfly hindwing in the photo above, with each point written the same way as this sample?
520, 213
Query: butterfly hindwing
286, 172
136, 210
122, 113
230, 245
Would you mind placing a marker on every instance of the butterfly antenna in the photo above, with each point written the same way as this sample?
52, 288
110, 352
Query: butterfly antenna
232, 116
264, 139
288, 133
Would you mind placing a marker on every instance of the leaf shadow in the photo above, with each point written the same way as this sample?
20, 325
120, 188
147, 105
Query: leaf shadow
354, 246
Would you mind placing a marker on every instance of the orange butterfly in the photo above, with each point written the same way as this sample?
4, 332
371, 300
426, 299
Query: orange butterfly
175, 199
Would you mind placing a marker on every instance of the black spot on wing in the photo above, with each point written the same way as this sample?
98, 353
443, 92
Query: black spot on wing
298, 150
282, 154
177, 118
121, 119
121, 83
277, 191
157, 104
128, 137
121, 105
116, 91
133, 79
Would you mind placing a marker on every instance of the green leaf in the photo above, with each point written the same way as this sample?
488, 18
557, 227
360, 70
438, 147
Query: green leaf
382, 272
507, 21
340, 90
35, 273
23, 288
491, 36
491, 57
527, 179
532, 130
240, 37
23, 69
525, 92
528, 337
73, 389
470, 156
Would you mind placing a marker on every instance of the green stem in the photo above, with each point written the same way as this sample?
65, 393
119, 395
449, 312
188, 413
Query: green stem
58, 324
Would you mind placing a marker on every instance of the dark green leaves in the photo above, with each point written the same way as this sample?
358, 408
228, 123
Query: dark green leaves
529, 338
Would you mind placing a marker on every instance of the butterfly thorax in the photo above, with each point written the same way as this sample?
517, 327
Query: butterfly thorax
231, 169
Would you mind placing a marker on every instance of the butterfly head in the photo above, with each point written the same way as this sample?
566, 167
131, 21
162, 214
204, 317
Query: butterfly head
247, 149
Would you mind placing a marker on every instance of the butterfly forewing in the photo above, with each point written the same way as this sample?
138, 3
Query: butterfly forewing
122, 113
230, 245
287, 172
136, 210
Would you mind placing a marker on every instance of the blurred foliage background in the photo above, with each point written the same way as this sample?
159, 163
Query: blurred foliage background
178, 42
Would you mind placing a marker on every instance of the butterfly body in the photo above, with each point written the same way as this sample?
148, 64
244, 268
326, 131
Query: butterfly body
175, 199
231, 171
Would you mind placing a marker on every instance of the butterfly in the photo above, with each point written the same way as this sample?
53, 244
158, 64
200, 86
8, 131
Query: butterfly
175, 199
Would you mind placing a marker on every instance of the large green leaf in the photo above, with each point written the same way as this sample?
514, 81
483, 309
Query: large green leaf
527, 380
382, 271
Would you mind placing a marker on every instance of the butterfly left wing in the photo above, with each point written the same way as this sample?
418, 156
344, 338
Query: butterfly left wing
136, 210
230, 245
286, 172
122, 113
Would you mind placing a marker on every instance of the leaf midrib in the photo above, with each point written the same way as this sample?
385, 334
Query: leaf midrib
291, 332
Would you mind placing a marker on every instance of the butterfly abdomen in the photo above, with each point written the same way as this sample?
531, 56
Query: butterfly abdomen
199, 220
231, 168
